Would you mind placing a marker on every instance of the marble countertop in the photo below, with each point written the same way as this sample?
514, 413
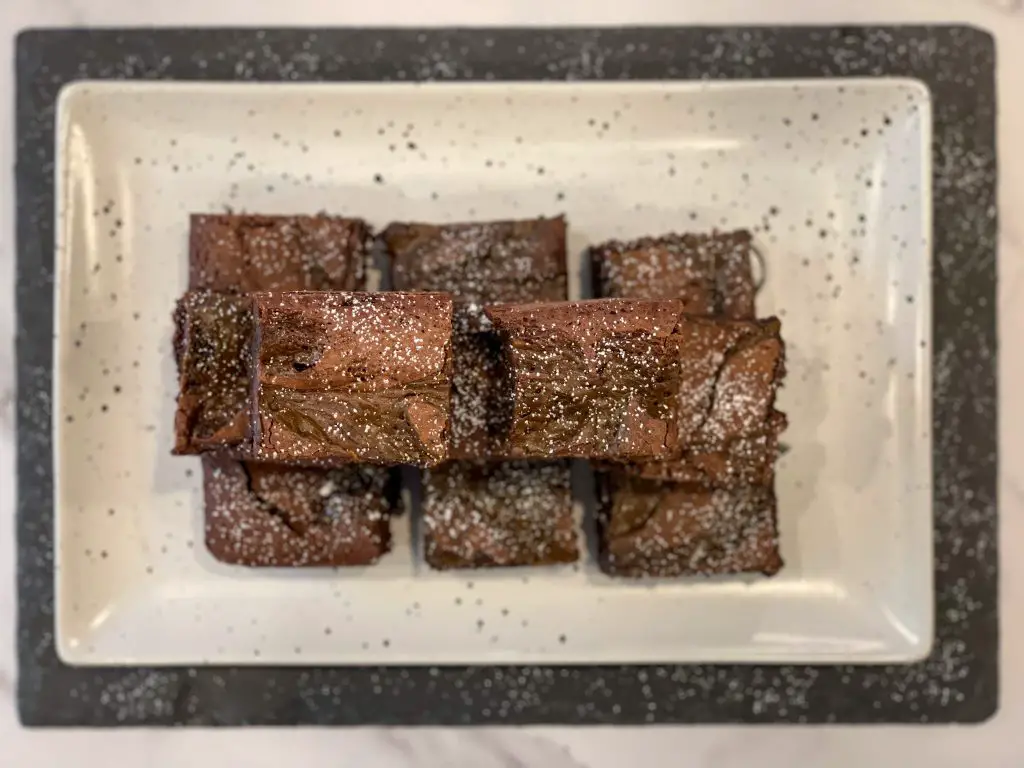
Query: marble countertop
999, 742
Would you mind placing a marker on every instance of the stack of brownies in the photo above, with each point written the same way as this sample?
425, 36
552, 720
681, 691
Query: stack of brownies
303, 391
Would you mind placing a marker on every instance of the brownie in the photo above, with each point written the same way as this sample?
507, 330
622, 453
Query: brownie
237, 254
651, 528
483, 263
270, 515
351, 377
730, 372
479, 514
480, 263
728, 426
592, 379
710, 273
242, 253
211, 343
511, 513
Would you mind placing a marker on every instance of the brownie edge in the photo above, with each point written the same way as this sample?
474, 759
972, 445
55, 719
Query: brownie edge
211, 347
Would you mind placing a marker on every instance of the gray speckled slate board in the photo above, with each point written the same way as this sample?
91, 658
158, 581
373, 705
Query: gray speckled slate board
956, 683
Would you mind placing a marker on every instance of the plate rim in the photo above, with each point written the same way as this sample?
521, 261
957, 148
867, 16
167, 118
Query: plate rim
959, 680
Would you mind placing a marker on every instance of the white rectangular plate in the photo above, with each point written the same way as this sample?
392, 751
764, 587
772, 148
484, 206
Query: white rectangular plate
833, 174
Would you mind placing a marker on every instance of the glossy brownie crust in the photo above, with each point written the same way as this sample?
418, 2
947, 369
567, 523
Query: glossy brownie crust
351, 377
729, 428
743, 460
480, 263
237, 254
712, 275
479, 514
730, 372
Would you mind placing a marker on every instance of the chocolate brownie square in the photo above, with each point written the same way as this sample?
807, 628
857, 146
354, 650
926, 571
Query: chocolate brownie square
242, 253
270, 515
510, 513
478, 514
710, 273
482, 263
592, 379
236, 254
211, 346
650, 528
351, 377
730, 373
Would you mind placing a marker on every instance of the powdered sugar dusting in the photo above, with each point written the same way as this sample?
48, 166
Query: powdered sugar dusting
244, 253
479, 406
352, 377
504, 514
482, 262
730, 373
710, 273
271, 515
211, 350
478, 514
650, 528
594, 379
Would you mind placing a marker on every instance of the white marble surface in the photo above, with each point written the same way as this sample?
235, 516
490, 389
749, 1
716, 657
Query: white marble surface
997, 743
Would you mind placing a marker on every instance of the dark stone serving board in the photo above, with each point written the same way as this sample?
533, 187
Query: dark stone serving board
958, 682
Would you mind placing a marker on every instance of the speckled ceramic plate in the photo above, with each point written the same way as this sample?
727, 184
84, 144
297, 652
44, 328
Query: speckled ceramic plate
833, 175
